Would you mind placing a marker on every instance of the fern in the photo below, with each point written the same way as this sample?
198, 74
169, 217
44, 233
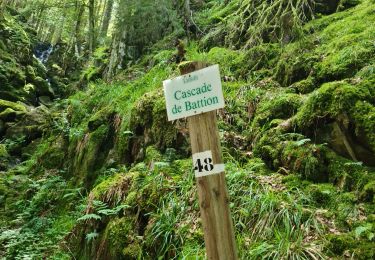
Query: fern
89, 217
302, 142
92, 236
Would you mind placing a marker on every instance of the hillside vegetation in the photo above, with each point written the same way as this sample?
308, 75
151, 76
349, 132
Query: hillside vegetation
90, 167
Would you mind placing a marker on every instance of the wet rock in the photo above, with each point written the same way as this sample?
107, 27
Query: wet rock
43, 88
30, 73
8, 115
4, 104
45, 100
32, 126
2, 127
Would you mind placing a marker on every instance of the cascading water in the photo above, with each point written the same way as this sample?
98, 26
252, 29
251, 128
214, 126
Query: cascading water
42, 52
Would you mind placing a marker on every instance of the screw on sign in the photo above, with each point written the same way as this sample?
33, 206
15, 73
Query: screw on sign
196, 95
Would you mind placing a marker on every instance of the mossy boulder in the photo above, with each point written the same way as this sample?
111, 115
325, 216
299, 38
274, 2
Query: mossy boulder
150, 126
9, 111
89, 152
8, 115
350, 108
322, 194
4, 104
304, 86
276, 106
340, 243
296, 64
102, 117
368, 192
43, 88
3, 151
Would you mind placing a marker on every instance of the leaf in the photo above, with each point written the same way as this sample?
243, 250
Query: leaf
161, 164
128, 133
92, 236
107, 212
361, 229
302, 141
88, 217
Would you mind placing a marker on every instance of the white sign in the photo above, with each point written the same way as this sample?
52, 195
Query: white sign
194, 93
203, 164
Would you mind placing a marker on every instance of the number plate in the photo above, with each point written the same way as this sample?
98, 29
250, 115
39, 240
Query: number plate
204, 166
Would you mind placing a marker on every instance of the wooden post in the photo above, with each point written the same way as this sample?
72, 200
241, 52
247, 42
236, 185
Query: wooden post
212, 189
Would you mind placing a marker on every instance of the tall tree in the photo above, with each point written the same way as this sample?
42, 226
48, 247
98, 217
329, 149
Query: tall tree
138, 25
107, 15
79, 10
91, 26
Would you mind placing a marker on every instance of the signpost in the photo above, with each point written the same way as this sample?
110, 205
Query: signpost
196, 95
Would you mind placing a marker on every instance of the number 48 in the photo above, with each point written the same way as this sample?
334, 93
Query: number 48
206, 166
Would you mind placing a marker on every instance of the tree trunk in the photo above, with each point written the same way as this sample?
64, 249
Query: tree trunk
91, 26
59, 29
106, 18
77, 28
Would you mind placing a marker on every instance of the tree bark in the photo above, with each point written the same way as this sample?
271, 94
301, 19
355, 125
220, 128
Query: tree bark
77, 28
91, 26
106, 18
59, 29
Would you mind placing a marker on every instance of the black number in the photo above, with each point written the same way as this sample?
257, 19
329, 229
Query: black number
208, 166
198, 166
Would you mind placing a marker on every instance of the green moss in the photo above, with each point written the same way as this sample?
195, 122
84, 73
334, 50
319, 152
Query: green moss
119, 234
322, 194
346, 42
4, 104
153, 155
230, 61
306, 159
101, 117
3, 151
296, 63
132, 251
304, 86
331, 100
53, 154
363, 114
149, 119
114, 189
43, 88
339, 243
276, 107
88, 154
368, 192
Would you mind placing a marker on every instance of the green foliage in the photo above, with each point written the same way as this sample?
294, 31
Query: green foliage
249, 23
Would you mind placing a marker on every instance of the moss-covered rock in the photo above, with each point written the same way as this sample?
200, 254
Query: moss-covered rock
278, 106
322, 194
368, 192
120, 234
4, 104
150, 125
350, 107
43, 88
3, 151
339, 243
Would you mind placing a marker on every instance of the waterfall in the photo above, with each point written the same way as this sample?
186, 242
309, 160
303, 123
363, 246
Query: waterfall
43, 51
